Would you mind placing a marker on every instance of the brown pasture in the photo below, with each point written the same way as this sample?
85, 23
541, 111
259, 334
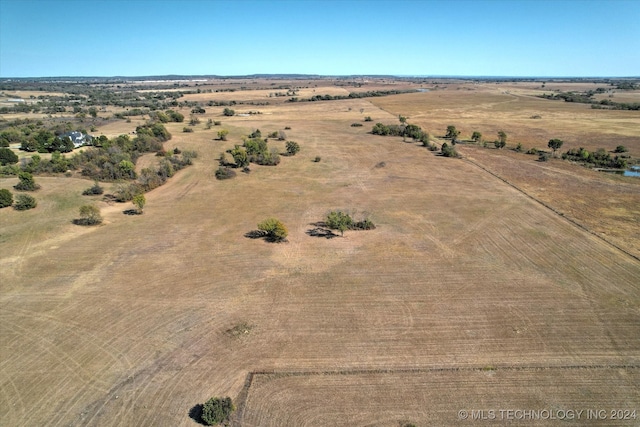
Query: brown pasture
469, 295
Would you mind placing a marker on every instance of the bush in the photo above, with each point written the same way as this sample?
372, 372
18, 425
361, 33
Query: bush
292, 148
518, 148
6, 198
24, 202
355, 125
368, 119
275, 230
533, 151
217, 410
228, 112
448, 151
7, 157
26, 182
89, 215
543, 157
187, 129
96, 189
125, 192
317, 159
225, 173
621, 149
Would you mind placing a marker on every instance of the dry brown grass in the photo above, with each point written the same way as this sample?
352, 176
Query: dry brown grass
128, 323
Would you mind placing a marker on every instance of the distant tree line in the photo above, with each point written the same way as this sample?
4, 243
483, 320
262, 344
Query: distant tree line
352, 95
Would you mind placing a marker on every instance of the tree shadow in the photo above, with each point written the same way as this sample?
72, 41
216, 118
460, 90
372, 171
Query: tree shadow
195, 414
321, 232
255, 234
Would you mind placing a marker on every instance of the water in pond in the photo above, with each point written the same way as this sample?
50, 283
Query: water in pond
632, 171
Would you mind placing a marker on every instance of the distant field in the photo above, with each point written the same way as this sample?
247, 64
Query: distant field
470, 294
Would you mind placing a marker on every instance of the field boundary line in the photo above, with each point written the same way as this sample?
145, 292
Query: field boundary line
243, 396
552, 209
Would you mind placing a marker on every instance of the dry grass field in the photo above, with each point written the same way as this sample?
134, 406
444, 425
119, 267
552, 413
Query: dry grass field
470, 295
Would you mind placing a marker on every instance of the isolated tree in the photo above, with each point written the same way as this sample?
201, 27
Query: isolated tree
217, 410
274, 228
222, 134
502, 137
476, 136
555, 144
7, 157
338, 220
89, 215
499, 144
27, 183
292, 148
452, 132
139, 201
402, 119
6, 198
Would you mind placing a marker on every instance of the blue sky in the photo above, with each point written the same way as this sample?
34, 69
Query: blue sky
414, 37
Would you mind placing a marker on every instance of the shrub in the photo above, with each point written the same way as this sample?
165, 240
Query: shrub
139, 201
448, 151
187, 129
338, 220
6, 198
125, 192
274, 228
287, 128
24, 202
26, 182
7, 157
317, 159
355, 125
222, 134
225, 173
621, 149
217, 123
518, 148
368, 119
543, 157
96, 189
89, 215
217, 410
292, 148
228, 112
533, 151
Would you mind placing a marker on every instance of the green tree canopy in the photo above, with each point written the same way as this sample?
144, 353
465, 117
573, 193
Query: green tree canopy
216, 410
6, 198
7, 157
274, 228
555, 144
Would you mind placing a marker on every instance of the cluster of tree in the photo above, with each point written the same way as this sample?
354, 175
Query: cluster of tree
587, 98
167, 116
22, 202
352, 95
599, 158
153, 177
405, 131
114, 159
342, 221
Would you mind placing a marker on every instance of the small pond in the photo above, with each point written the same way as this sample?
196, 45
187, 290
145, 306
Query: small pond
632, 171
